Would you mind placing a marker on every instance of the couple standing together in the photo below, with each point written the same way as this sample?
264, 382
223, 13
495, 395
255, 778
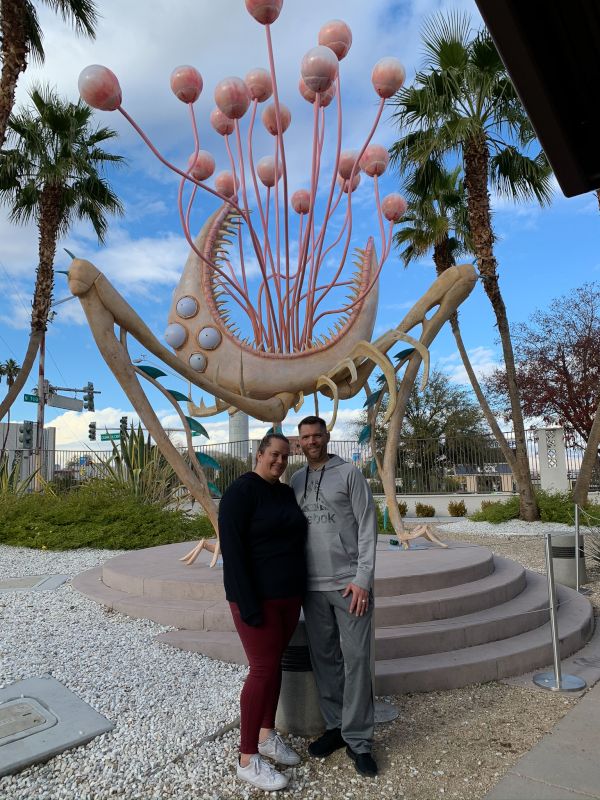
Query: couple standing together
310, 544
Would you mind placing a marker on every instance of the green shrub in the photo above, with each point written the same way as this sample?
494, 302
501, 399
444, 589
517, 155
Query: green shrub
555, 507
457, 508
100, 514
496, 512
424, 510
402, 508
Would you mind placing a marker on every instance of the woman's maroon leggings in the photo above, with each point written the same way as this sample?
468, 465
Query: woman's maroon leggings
264, 646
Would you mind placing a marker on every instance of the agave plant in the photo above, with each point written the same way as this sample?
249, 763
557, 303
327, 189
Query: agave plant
10, 477
140, 465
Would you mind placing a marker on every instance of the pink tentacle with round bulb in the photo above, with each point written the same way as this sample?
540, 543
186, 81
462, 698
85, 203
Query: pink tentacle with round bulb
349, 231
282, 149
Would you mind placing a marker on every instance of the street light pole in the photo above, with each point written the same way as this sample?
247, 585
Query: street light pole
40, 409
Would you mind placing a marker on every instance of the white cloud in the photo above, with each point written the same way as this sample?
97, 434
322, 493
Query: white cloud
483, 360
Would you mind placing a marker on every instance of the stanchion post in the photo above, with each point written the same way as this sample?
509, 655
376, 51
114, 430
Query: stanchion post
555, 681
577, 581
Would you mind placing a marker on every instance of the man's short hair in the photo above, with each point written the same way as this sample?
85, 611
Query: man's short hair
313, 421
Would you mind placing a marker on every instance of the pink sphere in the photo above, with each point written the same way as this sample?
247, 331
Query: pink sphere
346, 186
325, 97
266, 171
99, 88
232, 97
394, 207
264, 11
220, 122
202, 167
319, 68
225, 184
336, 35
269, 118
301, 201
374, 160
388, 76
347, 162
259, 84
186, 84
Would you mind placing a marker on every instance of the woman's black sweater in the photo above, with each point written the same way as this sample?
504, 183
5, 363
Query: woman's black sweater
263, 534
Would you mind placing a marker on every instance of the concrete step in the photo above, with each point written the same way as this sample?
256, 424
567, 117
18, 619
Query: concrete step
220, 645
526, 611
158, 572
487, 662
505, 582
197, 615
426, 568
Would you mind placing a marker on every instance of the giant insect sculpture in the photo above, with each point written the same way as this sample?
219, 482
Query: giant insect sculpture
248, 323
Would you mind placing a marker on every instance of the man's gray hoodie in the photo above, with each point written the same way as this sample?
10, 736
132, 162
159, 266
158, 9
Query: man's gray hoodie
342, 525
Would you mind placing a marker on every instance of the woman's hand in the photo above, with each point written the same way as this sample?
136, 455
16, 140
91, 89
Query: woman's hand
360, 599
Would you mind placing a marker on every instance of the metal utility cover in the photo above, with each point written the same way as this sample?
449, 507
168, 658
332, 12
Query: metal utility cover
48, 720
34, 583
20, 718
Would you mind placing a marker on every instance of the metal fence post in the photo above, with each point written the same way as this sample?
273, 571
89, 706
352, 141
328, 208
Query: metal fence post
555, 681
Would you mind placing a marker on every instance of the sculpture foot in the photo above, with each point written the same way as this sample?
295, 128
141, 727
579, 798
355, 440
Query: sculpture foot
423, 531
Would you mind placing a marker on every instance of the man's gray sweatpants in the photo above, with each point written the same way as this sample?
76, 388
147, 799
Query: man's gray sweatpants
340, 651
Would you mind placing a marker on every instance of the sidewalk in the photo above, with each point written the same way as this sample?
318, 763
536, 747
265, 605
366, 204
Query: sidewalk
565, 765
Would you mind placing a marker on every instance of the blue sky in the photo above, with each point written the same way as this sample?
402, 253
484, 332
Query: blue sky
542, 253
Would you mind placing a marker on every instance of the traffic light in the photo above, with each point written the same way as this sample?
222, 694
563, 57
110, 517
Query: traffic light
88, 397
26, 435
123, 427
92, 432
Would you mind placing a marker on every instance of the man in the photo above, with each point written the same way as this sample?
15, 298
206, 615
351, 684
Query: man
338, 610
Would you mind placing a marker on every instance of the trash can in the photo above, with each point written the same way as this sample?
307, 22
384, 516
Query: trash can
298, 710
563, 559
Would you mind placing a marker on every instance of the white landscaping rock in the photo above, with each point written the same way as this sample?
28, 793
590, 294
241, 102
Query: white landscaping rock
164, 702
516, 527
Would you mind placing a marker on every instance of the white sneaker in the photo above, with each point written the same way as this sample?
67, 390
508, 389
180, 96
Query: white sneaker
262, 775
274, 747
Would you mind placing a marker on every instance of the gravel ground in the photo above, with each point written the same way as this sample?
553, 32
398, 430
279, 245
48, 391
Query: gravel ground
167, 704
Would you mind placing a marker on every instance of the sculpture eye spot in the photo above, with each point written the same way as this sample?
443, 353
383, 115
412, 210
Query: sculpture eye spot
209, 338
198, 362
187, 307
175, 335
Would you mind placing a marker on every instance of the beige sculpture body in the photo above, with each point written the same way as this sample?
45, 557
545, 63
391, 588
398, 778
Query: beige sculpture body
281, 351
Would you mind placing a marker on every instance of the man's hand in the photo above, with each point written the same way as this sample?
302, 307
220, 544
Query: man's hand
360, 599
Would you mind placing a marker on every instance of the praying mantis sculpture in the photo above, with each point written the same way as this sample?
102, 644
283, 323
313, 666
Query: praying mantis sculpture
248, 323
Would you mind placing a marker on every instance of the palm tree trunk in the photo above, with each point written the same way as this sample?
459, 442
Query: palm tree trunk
14, 50
590, 458
35, 337
443, 260
50, 218
476, 160
485, 407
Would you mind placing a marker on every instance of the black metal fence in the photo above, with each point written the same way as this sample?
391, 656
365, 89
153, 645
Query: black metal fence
473, 464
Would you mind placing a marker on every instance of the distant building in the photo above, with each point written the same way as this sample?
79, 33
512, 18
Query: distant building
481, 478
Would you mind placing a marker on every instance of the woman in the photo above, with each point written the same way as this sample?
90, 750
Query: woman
263, 534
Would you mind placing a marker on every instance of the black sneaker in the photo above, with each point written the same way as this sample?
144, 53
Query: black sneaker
364, 763
327, 744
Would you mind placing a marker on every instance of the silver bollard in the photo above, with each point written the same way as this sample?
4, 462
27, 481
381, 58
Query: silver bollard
577, 580
555, 681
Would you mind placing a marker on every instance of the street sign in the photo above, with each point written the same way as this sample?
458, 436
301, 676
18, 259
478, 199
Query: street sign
31, 398
61, 401
106, 437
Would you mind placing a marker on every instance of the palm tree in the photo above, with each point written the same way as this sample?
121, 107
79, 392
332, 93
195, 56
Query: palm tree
9, 369
463, 102
437, 220
52, 175
21, 38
